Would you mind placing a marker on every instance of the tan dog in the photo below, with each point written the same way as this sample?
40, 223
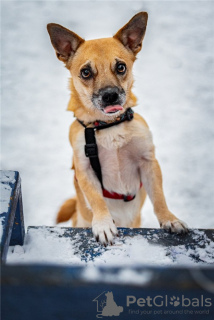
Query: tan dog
101, 84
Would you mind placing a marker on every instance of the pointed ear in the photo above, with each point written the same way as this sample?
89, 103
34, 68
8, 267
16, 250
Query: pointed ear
132, 34
64, 41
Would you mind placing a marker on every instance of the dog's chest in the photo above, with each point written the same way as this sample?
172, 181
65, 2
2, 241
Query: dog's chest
117, 155
112, 139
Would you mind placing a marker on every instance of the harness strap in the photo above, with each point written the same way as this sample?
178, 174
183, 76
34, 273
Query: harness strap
91, 151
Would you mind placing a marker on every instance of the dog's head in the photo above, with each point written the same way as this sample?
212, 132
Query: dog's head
101, 69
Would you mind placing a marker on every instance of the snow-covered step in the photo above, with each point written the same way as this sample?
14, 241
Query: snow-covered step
12, 229
77, 246
63, 273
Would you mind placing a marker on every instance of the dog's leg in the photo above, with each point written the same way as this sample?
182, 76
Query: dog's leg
103, 226
152, 180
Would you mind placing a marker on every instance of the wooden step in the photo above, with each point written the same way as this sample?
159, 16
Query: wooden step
79, 293
11, 215
197, 246
87, 290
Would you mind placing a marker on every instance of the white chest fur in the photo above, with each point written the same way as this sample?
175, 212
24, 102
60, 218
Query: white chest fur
120, 149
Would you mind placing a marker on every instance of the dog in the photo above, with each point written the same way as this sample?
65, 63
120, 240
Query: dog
113, 152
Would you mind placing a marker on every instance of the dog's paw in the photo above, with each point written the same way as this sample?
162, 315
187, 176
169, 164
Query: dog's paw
175, 226
104, 230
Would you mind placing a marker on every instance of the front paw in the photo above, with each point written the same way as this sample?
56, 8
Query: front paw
175, 226
104, 230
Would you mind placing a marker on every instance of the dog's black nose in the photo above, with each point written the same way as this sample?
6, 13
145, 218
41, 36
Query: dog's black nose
110, 96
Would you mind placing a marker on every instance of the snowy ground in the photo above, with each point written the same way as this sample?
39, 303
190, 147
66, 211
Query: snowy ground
174, 85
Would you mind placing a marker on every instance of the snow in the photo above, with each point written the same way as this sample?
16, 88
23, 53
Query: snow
1, 227
173, 82
124, 276
57, 246
6, 178
44, 248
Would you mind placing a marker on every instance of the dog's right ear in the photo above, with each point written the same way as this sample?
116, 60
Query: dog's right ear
64, 41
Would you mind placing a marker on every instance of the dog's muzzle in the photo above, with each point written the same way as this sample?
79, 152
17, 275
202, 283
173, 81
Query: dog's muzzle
109, 99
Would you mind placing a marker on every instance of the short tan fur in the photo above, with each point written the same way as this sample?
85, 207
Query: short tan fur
102, 80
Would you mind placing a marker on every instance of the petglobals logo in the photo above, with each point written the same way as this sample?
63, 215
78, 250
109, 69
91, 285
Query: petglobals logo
166, 301
106, 305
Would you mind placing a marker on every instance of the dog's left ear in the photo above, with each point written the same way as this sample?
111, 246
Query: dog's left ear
132, 34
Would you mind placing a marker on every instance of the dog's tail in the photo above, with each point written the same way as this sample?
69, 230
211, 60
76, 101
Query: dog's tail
67, 210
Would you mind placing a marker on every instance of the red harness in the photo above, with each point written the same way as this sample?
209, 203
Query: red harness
117, 196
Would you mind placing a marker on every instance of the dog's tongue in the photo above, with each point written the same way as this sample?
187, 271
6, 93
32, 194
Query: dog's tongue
114, 108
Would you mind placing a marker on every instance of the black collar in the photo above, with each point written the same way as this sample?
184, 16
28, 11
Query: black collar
99, 125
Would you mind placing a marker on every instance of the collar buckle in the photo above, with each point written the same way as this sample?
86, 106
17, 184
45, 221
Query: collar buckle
129, 114
91, 150
128, 197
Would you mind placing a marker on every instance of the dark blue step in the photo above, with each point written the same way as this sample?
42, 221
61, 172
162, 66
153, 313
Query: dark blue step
78, 293
88, 292
11, 216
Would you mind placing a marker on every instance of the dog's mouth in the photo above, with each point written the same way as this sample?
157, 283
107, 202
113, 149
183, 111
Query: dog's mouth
113, 108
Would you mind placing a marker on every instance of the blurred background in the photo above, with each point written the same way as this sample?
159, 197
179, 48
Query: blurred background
174, 83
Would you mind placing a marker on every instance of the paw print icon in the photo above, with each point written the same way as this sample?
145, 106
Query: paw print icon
175, 301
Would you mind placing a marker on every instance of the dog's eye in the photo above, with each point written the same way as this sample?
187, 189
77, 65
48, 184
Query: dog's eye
86, 73
121, 68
